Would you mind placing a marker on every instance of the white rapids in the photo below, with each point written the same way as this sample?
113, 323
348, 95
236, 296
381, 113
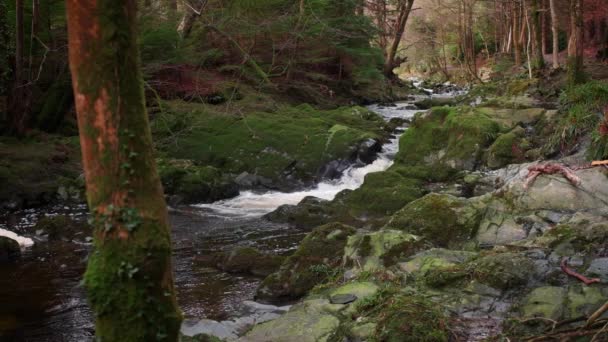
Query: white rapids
250, 203
22, 241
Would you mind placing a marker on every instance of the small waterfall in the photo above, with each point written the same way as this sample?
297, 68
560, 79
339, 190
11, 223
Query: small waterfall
250, 203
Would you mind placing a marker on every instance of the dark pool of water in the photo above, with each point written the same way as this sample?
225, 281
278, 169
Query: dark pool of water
41, 298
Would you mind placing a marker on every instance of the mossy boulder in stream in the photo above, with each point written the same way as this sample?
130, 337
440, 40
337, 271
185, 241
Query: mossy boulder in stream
289, 146
444, 220
250, 260
187, 182
9, 249
315, 260
504, 271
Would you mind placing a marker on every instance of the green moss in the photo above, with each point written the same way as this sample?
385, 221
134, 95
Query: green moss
503, 271
294, 141
201, 184
384, 248
412, 318
508, 148
383, 193
33, 169
444, 220
122, 282
583, 106
316, 260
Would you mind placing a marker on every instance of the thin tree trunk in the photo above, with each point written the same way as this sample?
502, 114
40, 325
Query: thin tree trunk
543, 20
405, 8
535, 27
516, 45
554, 34
575, 44
129, 279
19, 39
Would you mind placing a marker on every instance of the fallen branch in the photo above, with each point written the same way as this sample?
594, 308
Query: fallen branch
596, 315
571, 272
550, 168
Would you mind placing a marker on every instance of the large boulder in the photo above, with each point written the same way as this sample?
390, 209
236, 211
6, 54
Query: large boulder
187, 182
376, 250
314, 261
9, 249
249, 260
309, 321
515, 212
444, 220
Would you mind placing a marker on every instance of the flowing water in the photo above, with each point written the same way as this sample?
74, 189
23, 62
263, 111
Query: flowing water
41, 298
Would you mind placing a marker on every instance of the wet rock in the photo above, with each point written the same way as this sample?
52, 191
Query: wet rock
444, 220
306, 322
505, 270
547, 302
358, 289
62, 227
9, 249
309, 213
429, 102
247, 181
314, 261
377, 250
342, 298
249, 260
188, 183
207, 330
599, 268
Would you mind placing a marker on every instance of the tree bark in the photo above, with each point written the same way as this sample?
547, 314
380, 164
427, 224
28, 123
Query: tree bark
129, 279
575, 44
537, 37
19, 40
516, 41
554, 34
404, 8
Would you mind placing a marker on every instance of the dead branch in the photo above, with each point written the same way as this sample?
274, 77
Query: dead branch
550, 168
571, 272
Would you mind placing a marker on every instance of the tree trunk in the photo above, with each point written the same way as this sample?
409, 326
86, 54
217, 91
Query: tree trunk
537, 37
19, 39
575, 44
128, 279
554, 33
405, 8
516, 45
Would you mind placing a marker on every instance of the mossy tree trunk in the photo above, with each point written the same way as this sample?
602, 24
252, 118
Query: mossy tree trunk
129, 279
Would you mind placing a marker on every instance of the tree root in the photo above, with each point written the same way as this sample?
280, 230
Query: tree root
571, 272
550, 168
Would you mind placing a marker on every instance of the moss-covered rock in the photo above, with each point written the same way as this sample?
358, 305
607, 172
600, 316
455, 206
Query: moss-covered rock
383, 193
199, 338
249, 260
507, 149
315, 260
190, 183
448, 137
444, 220
384, 248
504, 270
287, 146
412, 318
9, 249
63, 227
310, 321
32, 170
